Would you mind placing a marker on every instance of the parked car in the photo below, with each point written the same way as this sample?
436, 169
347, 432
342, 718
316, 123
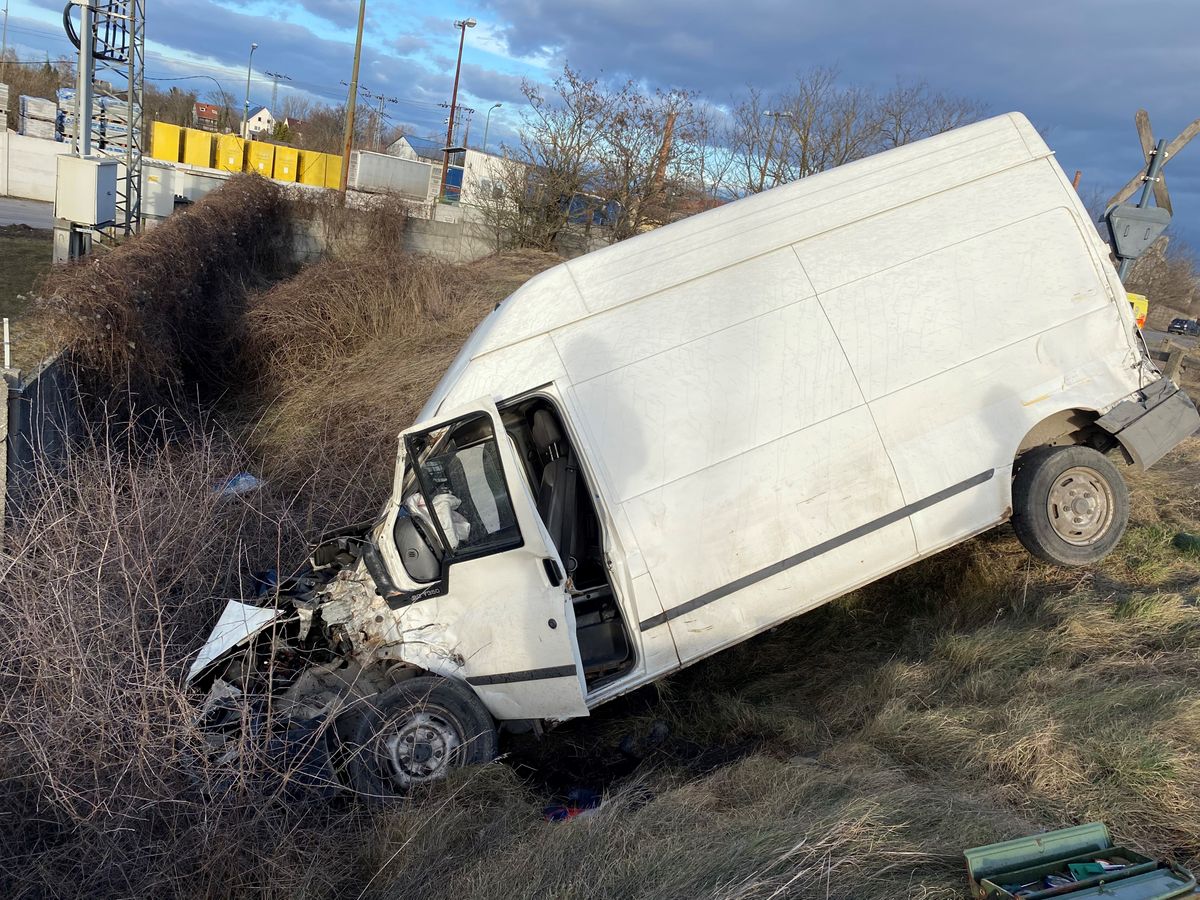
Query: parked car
1184, 326
653, 452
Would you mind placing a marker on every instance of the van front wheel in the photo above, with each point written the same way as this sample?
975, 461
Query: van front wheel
1070, 505
414, 733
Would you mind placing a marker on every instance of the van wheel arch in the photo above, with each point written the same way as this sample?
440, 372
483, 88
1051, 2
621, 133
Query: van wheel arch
1072, 427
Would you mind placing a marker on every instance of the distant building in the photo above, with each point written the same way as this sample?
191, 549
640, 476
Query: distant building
402, 148
426, 148
260, 122
206, 116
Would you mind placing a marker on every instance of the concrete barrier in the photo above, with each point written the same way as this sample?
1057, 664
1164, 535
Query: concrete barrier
28, 166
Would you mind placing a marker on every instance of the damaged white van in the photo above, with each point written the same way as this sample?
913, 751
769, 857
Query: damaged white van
657, 450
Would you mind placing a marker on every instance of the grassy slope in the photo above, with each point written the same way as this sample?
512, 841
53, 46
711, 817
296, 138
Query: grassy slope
851, 753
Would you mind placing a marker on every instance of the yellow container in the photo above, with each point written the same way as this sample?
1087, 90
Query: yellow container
333, 170
260, 158
197, 147
312, 168
231, 153
287, 163
165, 142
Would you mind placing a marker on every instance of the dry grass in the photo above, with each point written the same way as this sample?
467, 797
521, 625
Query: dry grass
340, 358
107, 584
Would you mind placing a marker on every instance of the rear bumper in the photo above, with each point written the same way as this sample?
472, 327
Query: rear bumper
1151, 422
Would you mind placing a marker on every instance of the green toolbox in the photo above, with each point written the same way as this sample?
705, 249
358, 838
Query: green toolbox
1078, 863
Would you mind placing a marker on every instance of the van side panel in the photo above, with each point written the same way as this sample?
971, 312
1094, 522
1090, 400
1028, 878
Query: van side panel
734, 435
961, 349
714, 540
977, 414
695, 247
922, 317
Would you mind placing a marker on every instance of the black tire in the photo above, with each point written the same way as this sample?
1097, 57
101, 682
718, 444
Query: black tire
1070, 505
413, 733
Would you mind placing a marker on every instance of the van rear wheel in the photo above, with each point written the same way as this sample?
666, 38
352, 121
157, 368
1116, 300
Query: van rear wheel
414, 733
1070, 505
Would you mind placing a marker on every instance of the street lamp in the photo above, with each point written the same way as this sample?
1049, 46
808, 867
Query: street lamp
488, 123
774, 116
246, 113
462, 25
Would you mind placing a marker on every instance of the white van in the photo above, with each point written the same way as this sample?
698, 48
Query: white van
657, 450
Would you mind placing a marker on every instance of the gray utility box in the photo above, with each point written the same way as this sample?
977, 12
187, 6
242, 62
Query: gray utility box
86, 191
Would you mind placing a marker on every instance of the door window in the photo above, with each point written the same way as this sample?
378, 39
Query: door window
455, 472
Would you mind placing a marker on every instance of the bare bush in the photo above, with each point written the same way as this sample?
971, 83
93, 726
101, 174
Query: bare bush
347, 351
159, 311
1166, 274
110, 579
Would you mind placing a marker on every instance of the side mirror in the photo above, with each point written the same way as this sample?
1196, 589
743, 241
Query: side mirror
422, 562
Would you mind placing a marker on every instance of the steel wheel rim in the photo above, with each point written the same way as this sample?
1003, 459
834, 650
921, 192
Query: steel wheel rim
1080, 506
418, 748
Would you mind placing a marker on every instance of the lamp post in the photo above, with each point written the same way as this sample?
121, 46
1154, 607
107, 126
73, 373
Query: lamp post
246, 112
775, 116
487, 123
462, 25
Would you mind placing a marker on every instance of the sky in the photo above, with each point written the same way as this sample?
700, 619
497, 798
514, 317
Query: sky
1078, 68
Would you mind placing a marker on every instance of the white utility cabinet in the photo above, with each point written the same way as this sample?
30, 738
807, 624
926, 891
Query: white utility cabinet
86, 190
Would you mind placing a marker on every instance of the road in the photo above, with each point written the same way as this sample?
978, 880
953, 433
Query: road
34, 213
1154, 338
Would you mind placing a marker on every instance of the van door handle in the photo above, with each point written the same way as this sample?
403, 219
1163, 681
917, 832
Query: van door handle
553, 572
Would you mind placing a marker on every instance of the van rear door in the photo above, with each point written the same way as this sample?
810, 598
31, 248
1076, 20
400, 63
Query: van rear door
496, 599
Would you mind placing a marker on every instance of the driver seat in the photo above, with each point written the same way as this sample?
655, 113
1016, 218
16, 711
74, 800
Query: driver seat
556, 495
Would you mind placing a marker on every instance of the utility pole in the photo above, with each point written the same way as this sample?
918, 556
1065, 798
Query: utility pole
352, 98
462, 25
4, 40
83, 89
275, 76
246, 112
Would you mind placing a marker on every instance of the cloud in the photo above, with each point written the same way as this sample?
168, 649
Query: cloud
1053, 60
489, 85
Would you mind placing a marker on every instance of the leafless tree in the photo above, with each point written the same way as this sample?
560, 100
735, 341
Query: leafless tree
820, 123
912, 110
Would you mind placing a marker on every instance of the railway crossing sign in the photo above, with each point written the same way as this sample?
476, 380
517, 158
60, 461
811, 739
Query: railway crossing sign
1133, 228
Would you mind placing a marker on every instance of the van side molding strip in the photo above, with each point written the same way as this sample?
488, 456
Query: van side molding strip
524, 675
812, 552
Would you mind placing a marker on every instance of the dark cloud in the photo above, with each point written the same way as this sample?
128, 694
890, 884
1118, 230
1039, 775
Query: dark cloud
1078, 70
342, 13
491, 86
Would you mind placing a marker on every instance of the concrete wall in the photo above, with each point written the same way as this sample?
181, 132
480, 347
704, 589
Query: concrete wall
28, 166
457, 242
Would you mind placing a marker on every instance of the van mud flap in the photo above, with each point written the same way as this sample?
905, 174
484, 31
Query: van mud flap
1152, 422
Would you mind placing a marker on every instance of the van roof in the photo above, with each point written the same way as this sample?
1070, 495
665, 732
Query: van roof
735, 232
